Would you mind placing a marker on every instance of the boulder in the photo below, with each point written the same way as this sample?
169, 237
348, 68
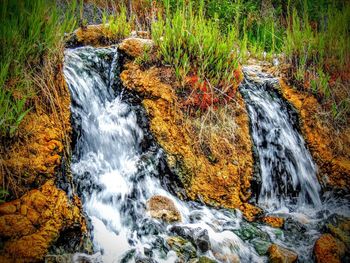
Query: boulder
162, 207
183, 248
328, 249
135, 47
197, 236
278, 254
261, 246
273, 221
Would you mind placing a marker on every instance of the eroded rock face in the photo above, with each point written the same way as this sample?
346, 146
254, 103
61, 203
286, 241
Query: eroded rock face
32, 223
278, 254
328, 249
135, 47
162, 207
225, 182
34, 156
332, 156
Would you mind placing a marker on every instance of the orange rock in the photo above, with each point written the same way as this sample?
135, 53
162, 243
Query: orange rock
135, 47
92, 34
328, 249
226, 181
163, 208
273, 221
29, 230
278, 254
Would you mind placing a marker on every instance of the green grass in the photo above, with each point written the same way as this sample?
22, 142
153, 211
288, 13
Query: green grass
190, 42
118, 25
30, 32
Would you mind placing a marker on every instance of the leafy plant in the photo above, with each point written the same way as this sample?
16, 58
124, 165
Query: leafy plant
12, 112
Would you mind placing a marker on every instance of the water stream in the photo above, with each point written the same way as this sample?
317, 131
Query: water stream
115, 175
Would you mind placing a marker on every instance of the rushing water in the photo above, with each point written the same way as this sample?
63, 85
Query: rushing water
287, 171
115, 176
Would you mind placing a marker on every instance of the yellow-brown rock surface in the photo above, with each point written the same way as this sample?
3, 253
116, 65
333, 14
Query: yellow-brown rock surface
278, 254
32, 223
135, 47
328, 249
223, 183
273, 221
162, 207
33, 157
330, 148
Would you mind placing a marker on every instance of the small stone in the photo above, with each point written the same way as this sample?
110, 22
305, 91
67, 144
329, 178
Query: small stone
204, 259
135, 47
202, 241
273, 221
278, 254
248, 231
328, 249
183, 248
162, 207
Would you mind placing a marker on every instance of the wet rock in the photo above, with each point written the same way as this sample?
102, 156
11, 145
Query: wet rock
204, 259
278, 254
150, 227
183, 248
248, 231
162, 207
135, 47
273, 221
140, 259
202, 241
199, 237
293, 226
339, 227
328, 249
231, 258
161, 245
261, 246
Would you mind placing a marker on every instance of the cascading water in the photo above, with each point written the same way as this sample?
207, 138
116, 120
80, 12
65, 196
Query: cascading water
287, 171
115, 175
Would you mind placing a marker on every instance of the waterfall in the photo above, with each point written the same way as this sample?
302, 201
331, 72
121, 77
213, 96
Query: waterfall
115, 174
288, 173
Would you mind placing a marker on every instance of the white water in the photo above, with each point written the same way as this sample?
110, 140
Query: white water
286, 166
115, 178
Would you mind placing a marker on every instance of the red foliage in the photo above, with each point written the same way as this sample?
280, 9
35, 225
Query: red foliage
202, 96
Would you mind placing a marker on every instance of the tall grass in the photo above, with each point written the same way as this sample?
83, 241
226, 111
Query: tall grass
31, 31
190, 42
318, 51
